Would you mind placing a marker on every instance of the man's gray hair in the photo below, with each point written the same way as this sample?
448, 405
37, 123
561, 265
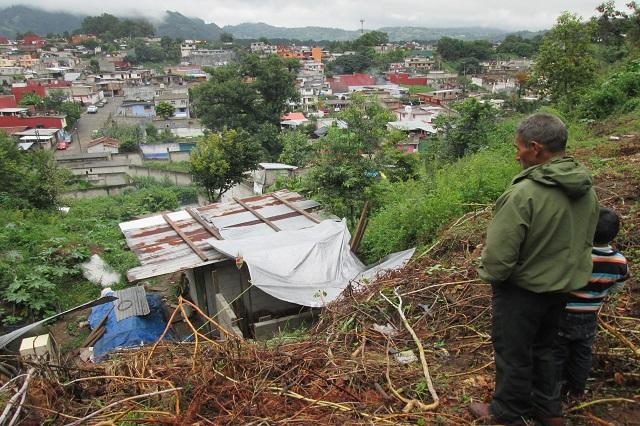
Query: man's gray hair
546, 129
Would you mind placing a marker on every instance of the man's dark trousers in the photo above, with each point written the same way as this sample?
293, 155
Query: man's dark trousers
524, 327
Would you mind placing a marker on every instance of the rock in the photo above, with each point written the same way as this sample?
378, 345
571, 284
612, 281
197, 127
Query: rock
614, 138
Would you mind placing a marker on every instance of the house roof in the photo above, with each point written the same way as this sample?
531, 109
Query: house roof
105, 140
38, 132
8, 101
293, 116
162, 250
341, 83
17, 109
172, 96
410, 125
276, 166
13, 130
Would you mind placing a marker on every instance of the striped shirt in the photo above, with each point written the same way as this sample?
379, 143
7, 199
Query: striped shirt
609, 271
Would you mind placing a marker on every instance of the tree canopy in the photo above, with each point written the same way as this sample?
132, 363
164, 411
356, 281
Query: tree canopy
246, 94
29, 179
110, 27
219, 161
565, 61
451, 49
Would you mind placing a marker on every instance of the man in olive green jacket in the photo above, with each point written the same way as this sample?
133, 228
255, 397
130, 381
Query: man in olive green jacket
538, 248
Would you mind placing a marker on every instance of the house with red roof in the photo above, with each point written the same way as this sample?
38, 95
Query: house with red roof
293, 120
341, 83
34, 122
8, 101
32, 42
20, 91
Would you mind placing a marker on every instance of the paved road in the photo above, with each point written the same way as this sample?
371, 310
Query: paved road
90, 122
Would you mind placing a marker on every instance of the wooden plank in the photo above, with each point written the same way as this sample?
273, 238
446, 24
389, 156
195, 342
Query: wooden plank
362, 225
256, 214
295, 208
211, 229
185, 238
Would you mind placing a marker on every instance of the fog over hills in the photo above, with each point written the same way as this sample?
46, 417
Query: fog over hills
19, 19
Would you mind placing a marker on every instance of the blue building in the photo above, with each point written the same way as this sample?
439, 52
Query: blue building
137, 108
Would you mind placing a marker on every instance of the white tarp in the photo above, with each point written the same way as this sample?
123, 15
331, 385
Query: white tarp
309, 267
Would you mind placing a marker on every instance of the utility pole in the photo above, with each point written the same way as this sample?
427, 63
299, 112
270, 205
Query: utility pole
361, 26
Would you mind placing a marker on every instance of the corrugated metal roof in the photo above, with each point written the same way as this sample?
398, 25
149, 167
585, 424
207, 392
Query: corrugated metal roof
132, 301
161, 250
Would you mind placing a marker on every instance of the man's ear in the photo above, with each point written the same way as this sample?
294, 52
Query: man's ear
536, 147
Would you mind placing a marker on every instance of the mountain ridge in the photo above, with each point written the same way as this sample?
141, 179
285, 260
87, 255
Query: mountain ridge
19, 19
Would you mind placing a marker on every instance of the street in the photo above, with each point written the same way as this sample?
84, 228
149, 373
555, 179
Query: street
90, 122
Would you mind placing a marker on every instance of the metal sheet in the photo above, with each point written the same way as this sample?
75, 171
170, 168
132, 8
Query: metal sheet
132, 301
161, 250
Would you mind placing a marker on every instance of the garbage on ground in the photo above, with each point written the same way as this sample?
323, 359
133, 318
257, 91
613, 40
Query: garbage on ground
39, 349
110, 334
405, 357
387, 330
97, 271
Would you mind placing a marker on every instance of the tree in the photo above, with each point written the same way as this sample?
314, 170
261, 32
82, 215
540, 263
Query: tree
29, 99
520, 46
94, 66
71, 111
29, 179
348, 162
165, 110
246, 94
226, 37
348, 64
565, 63
370, 39
219, 161
267, 136
468, 130
296, 148
54, 101
468, 66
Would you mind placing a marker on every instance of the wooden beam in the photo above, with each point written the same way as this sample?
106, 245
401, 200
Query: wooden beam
256, 214
185, 238
295, 208
359, 231
209, 227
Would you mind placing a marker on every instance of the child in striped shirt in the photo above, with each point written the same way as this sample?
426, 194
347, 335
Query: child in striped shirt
577, 328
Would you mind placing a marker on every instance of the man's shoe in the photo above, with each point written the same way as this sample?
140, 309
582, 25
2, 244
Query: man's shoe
482, 412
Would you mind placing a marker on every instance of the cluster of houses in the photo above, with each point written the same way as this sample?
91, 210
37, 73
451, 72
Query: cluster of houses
39, 66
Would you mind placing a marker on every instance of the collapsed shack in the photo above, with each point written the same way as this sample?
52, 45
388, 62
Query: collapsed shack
258, 265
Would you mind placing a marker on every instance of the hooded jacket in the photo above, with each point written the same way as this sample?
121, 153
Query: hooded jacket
542, 231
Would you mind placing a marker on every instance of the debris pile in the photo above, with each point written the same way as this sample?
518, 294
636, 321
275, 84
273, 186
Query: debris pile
412, 347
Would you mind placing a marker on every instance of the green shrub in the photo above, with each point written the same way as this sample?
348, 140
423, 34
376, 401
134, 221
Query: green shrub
413, 212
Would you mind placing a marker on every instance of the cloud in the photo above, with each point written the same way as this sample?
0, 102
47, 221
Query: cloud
504, 14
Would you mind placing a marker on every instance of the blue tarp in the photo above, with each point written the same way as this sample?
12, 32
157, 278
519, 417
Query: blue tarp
130, 332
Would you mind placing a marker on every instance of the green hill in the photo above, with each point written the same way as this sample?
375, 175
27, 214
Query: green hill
20, 19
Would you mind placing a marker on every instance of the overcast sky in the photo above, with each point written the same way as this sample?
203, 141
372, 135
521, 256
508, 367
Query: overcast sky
503, 14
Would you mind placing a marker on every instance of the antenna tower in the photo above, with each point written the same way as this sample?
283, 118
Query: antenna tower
361, 25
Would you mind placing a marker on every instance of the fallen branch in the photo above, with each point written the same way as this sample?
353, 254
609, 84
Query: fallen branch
611, 329
122, 401
14, 399
423, 359
599, 401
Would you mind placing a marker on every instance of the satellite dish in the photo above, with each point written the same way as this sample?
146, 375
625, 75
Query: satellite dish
408, 109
